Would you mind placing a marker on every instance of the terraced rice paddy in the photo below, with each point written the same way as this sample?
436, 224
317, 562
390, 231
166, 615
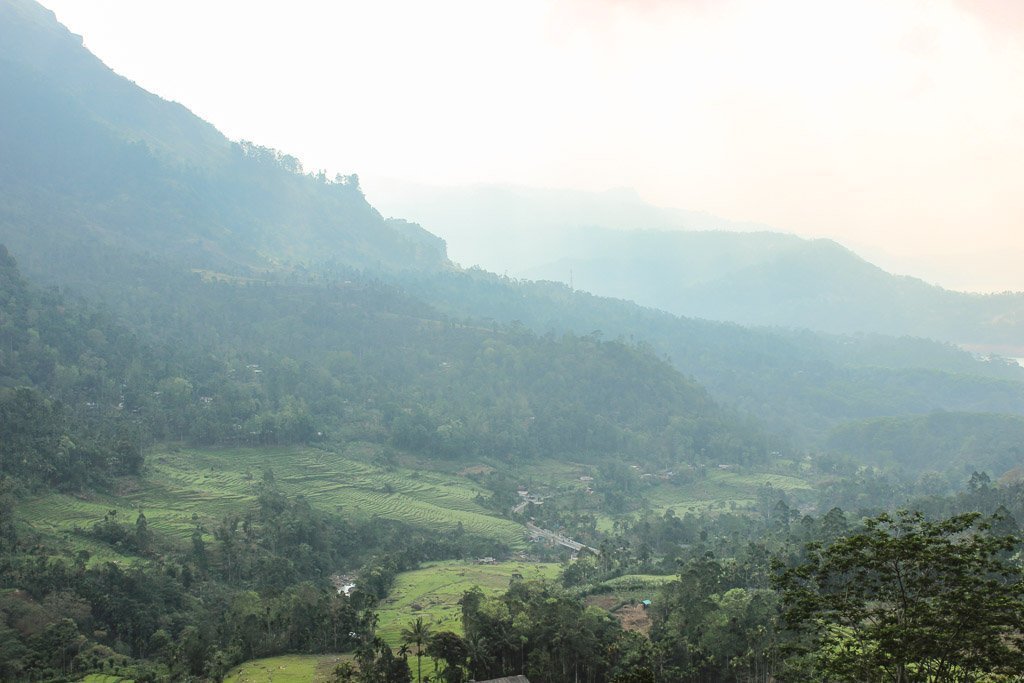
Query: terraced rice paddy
286, 669
212, 484
722, 490
638, 581
433, 593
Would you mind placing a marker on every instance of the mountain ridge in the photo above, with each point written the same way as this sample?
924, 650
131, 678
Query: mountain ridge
89, 158
693, 264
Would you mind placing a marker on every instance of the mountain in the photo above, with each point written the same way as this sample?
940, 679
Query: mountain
229, 253
693, 264
97, 171
781, 280
505, 228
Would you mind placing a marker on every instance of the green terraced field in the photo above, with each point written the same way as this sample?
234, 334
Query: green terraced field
639, 581
722, 490
211, 484
286, 669
433, 592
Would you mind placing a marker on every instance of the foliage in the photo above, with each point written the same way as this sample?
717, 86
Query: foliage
799, 382
907, 599
939, 442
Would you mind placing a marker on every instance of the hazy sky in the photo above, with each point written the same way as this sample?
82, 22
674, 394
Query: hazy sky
894, 126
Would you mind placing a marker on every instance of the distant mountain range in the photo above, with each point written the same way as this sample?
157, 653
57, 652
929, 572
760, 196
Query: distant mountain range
693, 264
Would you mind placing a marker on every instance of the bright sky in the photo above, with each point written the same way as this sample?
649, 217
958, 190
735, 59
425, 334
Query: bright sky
893, 126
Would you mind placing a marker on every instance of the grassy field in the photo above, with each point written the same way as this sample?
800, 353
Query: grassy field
286, 669
211, 484
433, 592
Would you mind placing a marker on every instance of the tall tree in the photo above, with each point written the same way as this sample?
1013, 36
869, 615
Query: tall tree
907, 599
418, 634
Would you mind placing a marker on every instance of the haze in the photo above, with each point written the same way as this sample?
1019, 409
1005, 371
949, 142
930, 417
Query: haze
896, 128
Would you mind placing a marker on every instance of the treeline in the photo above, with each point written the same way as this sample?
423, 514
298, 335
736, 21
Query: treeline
937, 442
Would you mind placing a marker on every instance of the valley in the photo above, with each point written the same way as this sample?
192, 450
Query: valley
254, 429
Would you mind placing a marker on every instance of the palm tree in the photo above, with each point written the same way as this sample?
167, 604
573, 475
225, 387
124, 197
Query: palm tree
417, 634
480, 658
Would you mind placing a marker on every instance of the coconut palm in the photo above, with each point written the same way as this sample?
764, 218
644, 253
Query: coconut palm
418, 634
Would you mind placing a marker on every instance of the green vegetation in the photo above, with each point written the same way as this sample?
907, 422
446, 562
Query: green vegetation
270, 386
433, 592
286, 669
210, 484
637, 581
799, 383
940, 442
721, 489
909, 599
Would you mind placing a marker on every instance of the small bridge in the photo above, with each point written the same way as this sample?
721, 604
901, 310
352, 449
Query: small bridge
561, 540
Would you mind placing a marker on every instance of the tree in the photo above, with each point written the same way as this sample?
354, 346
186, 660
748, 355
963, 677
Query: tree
907, 599
417, 634
450, 648
143, 536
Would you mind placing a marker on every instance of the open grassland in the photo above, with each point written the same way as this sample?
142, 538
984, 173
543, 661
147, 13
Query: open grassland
211, 484
286, 669
433, 593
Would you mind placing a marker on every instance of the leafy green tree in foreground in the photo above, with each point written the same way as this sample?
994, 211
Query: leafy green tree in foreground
909, 600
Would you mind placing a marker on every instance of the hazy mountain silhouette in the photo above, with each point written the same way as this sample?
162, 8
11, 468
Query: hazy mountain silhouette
91, 165
694, 264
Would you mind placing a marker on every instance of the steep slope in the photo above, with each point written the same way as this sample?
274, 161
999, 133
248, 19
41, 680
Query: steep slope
94, 167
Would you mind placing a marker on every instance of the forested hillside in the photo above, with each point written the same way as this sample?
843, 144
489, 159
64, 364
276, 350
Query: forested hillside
95, 169
272, 363
800, 383
937, 442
